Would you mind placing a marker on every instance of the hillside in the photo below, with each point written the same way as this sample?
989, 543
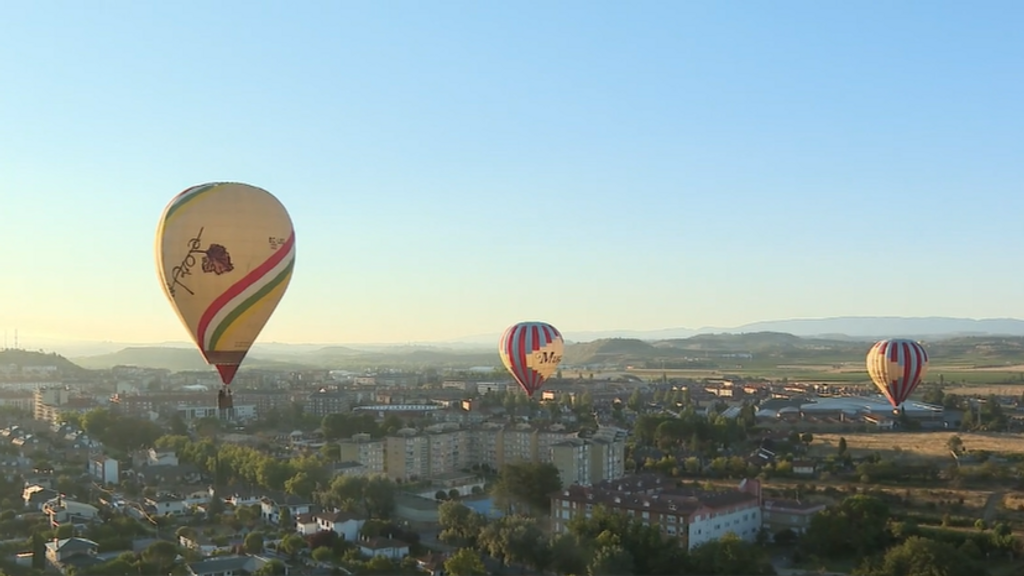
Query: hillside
772, 348
711, 351
23, 358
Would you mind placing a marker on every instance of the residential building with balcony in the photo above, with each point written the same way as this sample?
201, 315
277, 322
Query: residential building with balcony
367, 451
692, 517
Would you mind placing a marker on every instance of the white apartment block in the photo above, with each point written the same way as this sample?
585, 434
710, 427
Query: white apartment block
692, 517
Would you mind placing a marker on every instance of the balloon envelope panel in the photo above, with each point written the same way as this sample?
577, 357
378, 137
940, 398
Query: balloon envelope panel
225, 255
897, 366
531, 351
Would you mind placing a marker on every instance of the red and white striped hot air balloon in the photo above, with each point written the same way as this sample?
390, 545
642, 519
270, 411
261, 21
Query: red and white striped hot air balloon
531, 351
897, 366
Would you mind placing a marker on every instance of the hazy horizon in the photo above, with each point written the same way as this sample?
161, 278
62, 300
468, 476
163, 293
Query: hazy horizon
452, 168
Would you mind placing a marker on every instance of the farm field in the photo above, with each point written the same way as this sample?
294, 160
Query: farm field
921, 444
962, 376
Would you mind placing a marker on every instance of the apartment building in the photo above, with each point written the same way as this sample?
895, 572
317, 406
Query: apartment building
47, 401
587, 461
265, 400
20, 399
368, 452
527, 443
407, 455
142, 405
692, 517
325, 402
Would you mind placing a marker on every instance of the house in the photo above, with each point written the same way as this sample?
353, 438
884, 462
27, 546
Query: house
803, 467
104, 469
239, 496
169, 474
77, 553
271, 505
795, 515
36, 496
432, 563
306, 524
386, 547
62, 510
342, 523
206, 546
228, 566
167, 504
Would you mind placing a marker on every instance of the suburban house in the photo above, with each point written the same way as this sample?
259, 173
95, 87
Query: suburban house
168, 504
271, 505
228, 566
386, 547
36, 496
239, 496
306, 524
72, 552
342, 523
62, 511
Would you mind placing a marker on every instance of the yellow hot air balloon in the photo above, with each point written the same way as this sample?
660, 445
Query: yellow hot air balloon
225, 254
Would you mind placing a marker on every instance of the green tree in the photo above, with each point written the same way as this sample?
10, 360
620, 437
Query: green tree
842, 446
38, 552
611, 560
254, 543
272, 568
730, 555
528, 483
922, 557
161, 554
465, 562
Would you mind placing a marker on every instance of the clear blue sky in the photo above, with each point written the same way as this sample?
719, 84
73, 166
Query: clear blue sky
452, 167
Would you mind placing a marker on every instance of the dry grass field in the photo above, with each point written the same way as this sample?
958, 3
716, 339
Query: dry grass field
921, 444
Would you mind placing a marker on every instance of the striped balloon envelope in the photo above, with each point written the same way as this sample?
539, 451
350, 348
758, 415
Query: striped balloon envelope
225, 254
531, 351
897, 366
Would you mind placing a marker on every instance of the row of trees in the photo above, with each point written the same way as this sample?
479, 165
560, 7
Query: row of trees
604, 544
861, 527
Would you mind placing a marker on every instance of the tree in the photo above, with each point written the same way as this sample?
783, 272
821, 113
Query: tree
161, 554
842, 446
460, 526
611, 560
807, 438
465, 562
857, 525
272, 568
635, 401
922, 557
323, 554
528, 483
292, 545
38, 552
285, 521
254, 543
516, 540
730, 555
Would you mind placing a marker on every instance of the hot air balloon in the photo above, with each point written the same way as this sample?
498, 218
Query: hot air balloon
225, 254
897, 366
531, 351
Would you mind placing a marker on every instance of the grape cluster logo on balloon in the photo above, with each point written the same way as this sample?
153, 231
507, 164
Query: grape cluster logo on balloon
216, 259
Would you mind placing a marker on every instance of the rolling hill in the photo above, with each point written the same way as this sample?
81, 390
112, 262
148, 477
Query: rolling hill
704, 351
28, 358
